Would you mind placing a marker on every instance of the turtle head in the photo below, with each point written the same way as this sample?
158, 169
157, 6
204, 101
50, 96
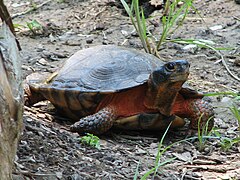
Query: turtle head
164, 84
171, 72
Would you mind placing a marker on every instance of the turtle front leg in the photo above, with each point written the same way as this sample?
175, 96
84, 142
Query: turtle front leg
149, 121
97, 123
198, 110
202, 111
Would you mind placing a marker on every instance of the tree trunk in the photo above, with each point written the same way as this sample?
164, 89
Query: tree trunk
11, 101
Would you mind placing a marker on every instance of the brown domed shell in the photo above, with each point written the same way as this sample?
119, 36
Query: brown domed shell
105, 69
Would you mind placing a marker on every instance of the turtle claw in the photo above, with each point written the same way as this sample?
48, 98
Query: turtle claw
97, 123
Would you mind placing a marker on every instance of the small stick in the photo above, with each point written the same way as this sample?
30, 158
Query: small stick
30, 10
236, 18
226, 67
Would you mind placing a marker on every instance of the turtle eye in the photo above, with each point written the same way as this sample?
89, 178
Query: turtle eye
170, 66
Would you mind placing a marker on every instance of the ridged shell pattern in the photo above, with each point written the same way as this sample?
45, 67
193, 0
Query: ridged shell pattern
105, 69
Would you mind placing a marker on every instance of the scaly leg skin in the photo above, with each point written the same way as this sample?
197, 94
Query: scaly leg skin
203, 111
97, 123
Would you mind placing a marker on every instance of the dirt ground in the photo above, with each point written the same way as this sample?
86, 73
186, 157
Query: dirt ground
47, 149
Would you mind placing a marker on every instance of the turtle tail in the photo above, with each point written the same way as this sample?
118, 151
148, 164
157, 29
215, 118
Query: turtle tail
97, 123
31, 96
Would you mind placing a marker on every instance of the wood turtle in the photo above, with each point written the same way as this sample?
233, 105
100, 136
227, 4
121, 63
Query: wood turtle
107, 86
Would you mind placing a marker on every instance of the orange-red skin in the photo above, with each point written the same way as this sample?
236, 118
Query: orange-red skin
131, 102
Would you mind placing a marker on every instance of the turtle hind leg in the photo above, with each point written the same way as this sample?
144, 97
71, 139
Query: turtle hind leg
97, 123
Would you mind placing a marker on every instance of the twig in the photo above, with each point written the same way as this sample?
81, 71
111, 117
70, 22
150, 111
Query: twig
30, 10
236, 18
138, 138
191, 177
220, 169
224, 62
225, 65
29, 174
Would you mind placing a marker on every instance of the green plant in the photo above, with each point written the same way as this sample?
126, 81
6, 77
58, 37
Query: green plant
160, 152
209, 45
61, 1
33, 4
236, 113
136, 172
236, 110
139, 22
203, 133
91, 140
223, 93
234, 107
171, 21
34, 26
18, 26
200, 43
173, 16
225, 142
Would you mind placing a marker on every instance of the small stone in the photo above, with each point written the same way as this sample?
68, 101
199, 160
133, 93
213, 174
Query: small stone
100, 26
190, 48
140, 151
225, 176
217, 27
197, 174
89, 41
43, 62
24, 143
125, 33
29, 120
41, 134
59, 175
27, 68
105, 42
186, 156
231, 23
237, 62
226, 100
52, 38
40, 115
134, 34
66, 158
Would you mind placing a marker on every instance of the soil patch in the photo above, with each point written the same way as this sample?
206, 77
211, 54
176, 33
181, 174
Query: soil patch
47, 149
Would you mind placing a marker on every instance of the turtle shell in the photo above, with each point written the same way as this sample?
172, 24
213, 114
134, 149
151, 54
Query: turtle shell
92, 77
105, 69
89, 75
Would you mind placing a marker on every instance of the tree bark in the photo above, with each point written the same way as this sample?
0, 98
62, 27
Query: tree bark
5, 17
11, 101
